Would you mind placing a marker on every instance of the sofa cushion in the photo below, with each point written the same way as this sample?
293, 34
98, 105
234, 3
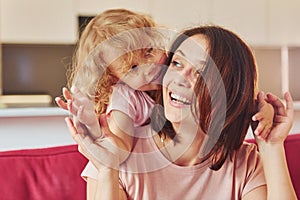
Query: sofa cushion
292, 151
47, 173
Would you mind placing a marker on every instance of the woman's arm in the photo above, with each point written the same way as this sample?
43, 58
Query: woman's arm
279, 185
107, 164
105, 187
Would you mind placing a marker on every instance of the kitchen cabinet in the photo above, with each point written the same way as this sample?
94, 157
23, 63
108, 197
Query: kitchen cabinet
38, 21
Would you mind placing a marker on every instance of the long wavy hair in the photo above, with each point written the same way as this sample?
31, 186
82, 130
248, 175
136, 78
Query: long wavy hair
223, 104
109, 31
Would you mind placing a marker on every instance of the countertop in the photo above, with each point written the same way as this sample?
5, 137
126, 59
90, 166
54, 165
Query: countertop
32, 112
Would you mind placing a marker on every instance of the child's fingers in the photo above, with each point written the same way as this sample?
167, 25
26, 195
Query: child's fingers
259, 129
70, 107
265, 134
66, 93
263, 126
77, 93
257, 117
80, 99
260, 96
61, 103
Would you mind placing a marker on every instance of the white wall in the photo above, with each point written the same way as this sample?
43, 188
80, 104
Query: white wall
35, 130
259, 22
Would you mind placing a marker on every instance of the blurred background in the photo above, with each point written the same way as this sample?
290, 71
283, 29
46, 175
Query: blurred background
38, 37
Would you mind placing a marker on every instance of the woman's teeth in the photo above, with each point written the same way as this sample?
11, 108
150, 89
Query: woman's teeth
179, 99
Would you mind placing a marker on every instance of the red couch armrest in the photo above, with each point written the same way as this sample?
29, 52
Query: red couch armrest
292, 151
47, 173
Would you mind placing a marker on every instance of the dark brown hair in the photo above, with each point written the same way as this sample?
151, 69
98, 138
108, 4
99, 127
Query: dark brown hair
224, 93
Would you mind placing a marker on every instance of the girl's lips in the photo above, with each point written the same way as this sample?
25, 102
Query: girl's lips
158, 77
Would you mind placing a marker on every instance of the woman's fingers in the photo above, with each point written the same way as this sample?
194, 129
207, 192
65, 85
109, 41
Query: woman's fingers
289, 105
100, 152
277, 104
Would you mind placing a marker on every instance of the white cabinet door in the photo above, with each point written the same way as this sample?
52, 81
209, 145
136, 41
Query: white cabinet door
178, 15
38, 21
284, 22
246, 18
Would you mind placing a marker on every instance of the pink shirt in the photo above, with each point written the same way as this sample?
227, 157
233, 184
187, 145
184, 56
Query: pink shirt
148, 175
136, 104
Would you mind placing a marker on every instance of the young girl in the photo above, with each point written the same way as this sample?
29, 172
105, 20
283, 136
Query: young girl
117, 58
128, 60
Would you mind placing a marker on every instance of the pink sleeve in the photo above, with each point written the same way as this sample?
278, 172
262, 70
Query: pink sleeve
122, 100
135, 104
255, 176
90, 171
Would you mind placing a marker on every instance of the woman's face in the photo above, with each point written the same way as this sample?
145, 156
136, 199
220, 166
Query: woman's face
179, 81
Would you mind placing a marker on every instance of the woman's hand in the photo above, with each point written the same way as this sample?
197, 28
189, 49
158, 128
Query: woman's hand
102, 152
272, 150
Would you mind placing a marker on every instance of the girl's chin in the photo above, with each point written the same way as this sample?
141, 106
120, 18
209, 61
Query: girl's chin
150, 87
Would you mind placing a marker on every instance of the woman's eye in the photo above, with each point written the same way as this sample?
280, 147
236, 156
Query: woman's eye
176, 64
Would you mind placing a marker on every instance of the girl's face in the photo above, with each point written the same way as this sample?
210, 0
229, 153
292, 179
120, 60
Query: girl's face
146, 70
179, 81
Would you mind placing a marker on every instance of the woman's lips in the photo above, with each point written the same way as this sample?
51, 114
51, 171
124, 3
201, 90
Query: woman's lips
178, 100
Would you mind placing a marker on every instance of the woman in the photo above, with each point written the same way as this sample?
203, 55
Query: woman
208, 99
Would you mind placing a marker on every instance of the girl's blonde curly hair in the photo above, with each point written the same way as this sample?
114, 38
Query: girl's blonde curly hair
113, 30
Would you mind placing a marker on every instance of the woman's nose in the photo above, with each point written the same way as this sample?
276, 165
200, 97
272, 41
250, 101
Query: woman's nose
185, 77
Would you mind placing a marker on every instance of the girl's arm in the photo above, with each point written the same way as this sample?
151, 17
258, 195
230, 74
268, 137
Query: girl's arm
279, 185
82, 109
107, 184
120, 124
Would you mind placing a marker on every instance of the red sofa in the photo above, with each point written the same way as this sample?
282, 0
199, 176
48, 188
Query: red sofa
42, 174
54, 173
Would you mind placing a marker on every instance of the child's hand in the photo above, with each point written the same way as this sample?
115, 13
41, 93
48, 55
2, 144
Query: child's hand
62, 100
264, 116
82, 109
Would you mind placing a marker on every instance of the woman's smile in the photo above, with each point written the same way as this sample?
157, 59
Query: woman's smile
178, 100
